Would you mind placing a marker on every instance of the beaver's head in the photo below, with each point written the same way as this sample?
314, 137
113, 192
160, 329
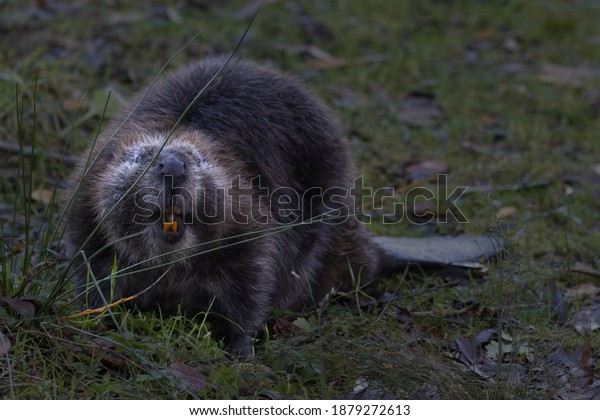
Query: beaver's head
166, 194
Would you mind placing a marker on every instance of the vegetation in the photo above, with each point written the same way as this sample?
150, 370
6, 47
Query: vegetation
502, 94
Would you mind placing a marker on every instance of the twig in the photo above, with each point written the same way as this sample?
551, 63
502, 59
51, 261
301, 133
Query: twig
113, 304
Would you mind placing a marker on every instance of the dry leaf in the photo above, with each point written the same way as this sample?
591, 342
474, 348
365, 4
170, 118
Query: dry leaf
569, 374
585, 269
423, 169
21, 306
107, 355
587, 320
42, 196
496, 349
285, 328
568, 76
505, 212
511, 373
484, 336
321, 58
584, 290
360, 384
419, 110
190, 376
469, 354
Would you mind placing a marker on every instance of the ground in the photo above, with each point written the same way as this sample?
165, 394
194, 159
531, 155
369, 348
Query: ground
502, 96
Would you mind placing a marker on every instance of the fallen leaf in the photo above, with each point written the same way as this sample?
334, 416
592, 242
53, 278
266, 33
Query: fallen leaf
484, 336
587, 320
511, 373
190, 376
360, 384
426, 392
423, 169
505, 212
362, 390
580, 267
42, 196
106, 354
495, 350
21, 306
469, 355
321, 58
569, 375
584, 290
285, 328
419, 110
5, 345
468, 350
568, 76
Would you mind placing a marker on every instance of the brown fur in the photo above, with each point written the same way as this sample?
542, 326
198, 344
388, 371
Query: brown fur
250, 124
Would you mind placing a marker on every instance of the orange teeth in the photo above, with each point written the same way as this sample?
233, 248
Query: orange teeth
171, 224
170, 227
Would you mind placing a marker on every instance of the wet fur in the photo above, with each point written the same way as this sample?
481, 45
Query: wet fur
250, 122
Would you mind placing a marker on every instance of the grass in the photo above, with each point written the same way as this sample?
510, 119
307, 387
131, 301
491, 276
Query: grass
516, 83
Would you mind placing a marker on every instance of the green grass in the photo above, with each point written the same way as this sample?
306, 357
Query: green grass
481, 61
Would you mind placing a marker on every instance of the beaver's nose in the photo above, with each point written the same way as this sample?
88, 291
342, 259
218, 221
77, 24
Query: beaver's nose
171, 165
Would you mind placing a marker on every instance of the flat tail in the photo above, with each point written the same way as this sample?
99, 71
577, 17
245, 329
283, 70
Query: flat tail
468, 252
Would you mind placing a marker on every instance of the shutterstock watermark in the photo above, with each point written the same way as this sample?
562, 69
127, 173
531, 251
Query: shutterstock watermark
252, 201
405, 206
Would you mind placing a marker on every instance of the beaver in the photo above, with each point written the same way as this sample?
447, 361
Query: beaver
227, 196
